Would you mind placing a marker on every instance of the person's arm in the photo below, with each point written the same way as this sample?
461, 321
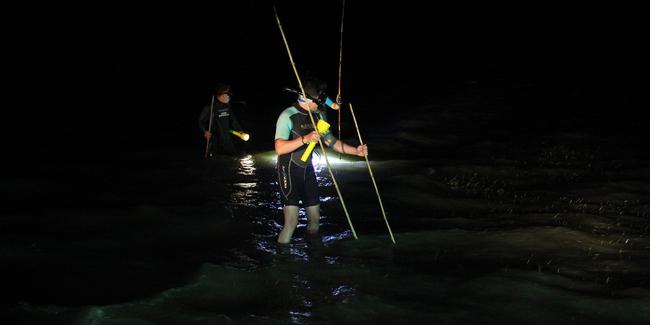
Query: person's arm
340, 146
283, 146
283, 132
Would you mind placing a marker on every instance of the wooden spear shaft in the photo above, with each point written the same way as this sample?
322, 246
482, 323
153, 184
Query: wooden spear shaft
207, 143
313, 122
338, 96
381, 205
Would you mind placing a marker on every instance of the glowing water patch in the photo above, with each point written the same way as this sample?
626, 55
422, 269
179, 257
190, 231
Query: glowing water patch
247, 165
297, 316
269, 246
330, 239
267, 158
317, 159
245, 185
245, 194
331, 259
343, 290
334, 160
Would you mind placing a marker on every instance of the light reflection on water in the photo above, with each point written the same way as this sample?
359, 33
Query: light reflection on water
327, 198
245, 185
247, 165
256, 200
443, 257
334, 237
254, 196
297, 317
334, 160
317, 159
342, 290
323, 179
266, 245
331, 259
245, 193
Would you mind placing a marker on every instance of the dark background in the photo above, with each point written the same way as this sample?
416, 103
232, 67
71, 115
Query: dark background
102, 103
108, 81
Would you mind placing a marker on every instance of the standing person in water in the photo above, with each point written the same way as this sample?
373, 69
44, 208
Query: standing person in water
223, 120
297, 179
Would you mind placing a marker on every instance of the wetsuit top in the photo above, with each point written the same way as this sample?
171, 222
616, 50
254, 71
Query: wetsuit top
294, 122
223, 120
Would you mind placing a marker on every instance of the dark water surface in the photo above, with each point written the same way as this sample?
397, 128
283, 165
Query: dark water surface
495, 223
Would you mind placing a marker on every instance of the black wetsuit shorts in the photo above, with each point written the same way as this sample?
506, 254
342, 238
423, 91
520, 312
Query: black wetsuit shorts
297, 183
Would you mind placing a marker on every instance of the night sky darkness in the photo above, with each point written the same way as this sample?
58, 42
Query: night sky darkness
100, 95
124, 72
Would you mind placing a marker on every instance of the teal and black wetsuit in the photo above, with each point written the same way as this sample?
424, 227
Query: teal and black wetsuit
297, 178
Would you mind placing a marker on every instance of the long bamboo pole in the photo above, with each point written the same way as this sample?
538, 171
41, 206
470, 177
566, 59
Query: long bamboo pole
207, 143
338, 96
381, 205
311, 117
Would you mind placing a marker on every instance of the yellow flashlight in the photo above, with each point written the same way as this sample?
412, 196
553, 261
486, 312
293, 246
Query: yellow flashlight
322, 127
241, 135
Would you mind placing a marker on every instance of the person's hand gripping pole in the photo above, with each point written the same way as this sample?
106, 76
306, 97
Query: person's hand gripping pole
322, 127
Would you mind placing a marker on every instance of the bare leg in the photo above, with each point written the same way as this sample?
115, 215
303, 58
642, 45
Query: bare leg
313, 218
290, 223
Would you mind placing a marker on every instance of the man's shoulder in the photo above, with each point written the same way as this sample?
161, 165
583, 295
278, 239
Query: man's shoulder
288, 112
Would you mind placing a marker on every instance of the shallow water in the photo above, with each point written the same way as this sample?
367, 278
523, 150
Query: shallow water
529, 227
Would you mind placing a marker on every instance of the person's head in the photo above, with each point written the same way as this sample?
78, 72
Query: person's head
222, 93
315, 89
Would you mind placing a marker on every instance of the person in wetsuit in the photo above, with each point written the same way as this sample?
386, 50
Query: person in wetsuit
297, 179
223, 120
